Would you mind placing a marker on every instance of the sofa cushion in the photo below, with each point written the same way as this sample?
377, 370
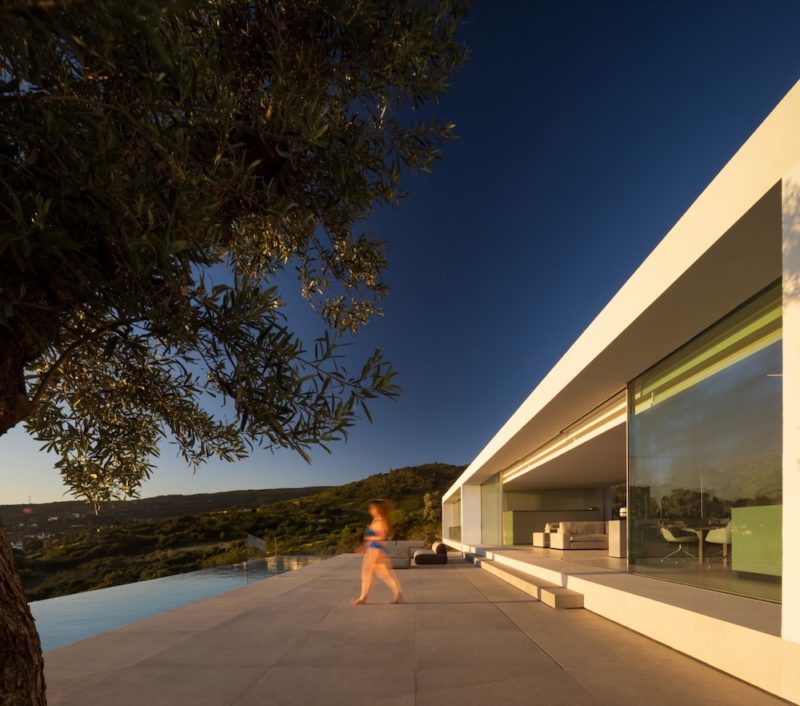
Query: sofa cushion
403, 548
588, 538
575, 528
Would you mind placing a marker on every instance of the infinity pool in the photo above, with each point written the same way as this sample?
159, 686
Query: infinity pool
71, 618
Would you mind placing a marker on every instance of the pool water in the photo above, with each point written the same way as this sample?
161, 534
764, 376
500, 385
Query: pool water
67, 619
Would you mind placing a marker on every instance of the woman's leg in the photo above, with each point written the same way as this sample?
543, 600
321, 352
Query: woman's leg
383, 567
367, 574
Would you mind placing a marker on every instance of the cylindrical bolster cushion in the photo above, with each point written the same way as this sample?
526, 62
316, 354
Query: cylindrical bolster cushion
439, 548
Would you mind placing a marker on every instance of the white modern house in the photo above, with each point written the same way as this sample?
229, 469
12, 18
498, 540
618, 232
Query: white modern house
678, 408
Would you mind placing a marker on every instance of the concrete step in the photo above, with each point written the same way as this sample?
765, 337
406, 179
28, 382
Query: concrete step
548, 593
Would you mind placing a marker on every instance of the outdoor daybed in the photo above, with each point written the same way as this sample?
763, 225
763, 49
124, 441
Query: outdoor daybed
437, 554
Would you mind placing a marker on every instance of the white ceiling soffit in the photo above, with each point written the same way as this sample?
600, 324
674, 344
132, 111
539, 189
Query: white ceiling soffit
607, 416
598, 463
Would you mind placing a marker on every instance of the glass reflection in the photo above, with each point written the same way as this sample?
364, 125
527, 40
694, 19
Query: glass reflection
705, 457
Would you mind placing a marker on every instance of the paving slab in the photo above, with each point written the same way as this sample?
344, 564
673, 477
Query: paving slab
461, 637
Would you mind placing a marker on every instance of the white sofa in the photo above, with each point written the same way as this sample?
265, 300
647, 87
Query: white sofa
580, 535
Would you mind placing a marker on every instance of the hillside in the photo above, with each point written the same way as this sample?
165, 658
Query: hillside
58, 518
327, 522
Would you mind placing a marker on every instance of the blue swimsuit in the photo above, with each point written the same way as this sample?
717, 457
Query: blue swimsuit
374, 544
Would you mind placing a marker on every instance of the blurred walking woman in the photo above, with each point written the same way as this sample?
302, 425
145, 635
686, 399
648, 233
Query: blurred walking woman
376, 558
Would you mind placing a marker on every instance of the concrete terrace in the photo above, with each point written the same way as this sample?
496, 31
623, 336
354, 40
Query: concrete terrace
594, 567
463, 637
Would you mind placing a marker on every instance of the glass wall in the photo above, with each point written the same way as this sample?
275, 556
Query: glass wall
704, 474
491, 511
451, 519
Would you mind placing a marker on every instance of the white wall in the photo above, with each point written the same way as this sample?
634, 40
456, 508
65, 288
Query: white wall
790, 615
571, 499
471, 514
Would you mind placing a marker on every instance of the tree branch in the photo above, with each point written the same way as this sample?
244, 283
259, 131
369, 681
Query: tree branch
47, 378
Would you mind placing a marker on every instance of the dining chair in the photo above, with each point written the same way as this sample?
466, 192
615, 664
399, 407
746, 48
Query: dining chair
680, 540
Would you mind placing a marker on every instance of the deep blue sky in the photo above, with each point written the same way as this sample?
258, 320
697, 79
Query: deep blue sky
586, 130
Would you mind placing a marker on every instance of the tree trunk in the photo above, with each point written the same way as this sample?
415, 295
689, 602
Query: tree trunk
16, 351
21, 664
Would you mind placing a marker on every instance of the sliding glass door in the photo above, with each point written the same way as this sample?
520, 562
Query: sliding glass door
705, 457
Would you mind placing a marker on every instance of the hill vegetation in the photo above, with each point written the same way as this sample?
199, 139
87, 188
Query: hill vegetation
25, 522
327, 522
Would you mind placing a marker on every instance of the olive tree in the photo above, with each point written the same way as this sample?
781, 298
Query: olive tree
166, 167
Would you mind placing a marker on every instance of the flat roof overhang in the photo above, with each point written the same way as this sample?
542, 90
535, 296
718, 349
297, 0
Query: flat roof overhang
725, 249
597, 463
